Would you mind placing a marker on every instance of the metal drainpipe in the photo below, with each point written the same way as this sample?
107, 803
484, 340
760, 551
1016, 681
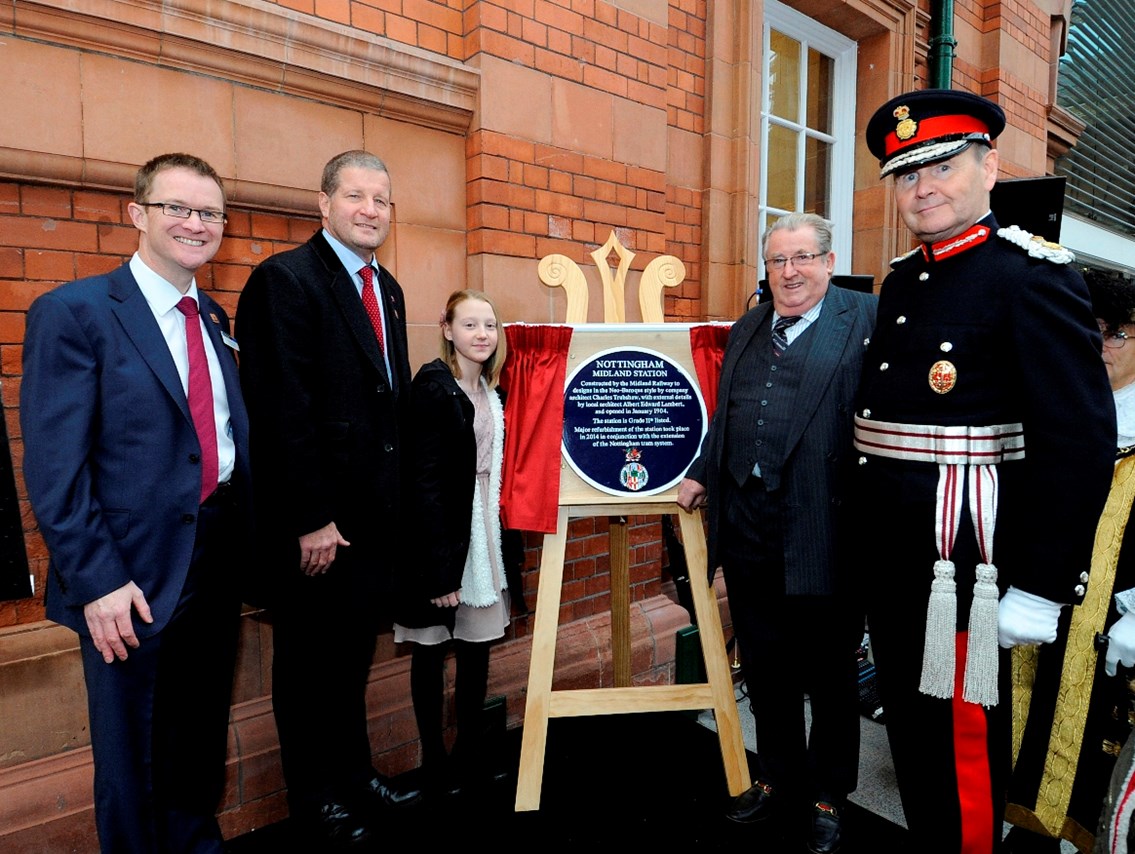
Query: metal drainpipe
942, 43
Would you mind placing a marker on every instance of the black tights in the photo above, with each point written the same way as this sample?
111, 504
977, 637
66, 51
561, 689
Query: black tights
427, 690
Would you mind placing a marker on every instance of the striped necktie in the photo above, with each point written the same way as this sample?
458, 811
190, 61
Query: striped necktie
780, 333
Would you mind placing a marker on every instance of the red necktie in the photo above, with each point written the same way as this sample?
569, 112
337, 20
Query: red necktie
370, 303
201, 397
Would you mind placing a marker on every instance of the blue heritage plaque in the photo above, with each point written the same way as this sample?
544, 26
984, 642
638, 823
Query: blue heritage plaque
633, 421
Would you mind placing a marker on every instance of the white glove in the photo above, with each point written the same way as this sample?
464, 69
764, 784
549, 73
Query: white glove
1120, 644
1024, 619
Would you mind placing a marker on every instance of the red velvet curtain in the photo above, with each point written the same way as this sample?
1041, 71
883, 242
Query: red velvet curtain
707, 343
533, 376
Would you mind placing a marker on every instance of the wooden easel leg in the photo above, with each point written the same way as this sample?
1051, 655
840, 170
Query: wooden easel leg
534, 738
713, 651
619, 550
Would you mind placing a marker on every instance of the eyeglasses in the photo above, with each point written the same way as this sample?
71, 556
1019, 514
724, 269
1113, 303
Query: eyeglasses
1116, 339
801, 260
184, 212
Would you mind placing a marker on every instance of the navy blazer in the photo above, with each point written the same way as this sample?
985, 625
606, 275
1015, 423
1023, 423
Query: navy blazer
112, 460
818, 448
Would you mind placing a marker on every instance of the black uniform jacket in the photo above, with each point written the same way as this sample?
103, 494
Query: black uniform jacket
1024, 346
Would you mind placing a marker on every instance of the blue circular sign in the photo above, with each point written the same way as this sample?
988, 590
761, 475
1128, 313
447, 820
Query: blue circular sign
633, 421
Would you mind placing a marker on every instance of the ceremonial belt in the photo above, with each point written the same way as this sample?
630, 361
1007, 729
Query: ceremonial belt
930, 443
967, 459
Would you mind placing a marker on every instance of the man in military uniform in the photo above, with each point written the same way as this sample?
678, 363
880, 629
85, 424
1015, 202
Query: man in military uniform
986, 435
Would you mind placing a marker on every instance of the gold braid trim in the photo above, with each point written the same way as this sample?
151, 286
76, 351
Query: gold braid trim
1079, 668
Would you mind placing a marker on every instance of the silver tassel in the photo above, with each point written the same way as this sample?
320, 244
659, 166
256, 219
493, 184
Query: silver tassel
941, 628
981, 648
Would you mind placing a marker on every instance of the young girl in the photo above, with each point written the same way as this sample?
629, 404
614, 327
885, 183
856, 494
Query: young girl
455, 593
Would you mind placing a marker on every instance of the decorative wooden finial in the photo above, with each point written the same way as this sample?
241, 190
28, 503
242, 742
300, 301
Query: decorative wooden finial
665, 271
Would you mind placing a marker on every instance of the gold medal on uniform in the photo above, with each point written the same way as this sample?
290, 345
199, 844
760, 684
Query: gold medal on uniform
943, 376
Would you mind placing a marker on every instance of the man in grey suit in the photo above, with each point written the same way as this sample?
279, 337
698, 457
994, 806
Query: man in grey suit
772, 473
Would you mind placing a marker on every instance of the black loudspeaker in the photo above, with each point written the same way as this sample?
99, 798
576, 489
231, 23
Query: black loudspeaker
1034, 204
15, 581
865, 284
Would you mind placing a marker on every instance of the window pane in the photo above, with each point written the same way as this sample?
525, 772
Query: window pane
782, 168
1094, 85
784, 76
817, 176
819, 91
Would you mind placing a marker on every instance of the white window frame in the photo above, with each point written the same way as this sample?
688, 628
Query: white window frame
844, 54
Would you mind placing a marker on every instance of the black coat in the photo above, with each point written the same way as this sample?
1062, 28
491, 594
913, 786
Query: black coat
328, 425
443, 467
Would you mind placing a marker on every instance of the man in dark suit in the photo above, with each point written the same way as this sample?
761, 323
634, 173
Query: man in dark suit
327, 376
773, 468
136, 462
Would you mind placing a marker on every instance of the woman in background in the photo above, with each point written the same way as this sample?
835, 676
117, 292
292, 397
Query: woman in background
454, 592
1070, 708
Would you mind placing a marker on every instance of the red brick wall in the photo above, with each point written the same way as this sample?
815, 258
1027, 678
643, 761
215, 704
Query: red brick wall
528, 200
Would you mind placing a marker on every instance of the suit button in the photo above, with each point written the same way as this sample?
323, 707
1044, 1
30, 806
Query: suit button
388, 447
862, 461
1079, 590
194, 458
188, 518
1084, 577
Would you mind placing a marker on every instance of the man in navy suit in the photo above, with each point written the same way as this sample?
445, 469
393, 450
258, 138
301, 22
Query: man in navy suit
136, 463
327, 378
774, 469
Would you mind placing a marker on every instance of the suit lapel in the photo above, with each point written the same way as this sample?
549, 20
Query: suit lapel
346, 296
137, 320
829, 340
760, 314
225, 357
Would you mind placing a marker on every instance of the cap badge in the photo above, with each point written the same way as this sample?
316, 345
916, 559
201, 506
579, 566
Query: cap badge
907, 127
943, 376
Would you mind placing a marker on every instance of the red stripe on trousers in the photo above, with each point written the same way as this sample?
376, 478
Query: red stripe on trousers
971, 763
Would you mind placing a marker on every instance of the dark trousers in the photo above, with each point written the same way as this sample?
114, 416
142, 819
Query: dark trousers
159, 719
427, 687
952, 759
323, 647
791, 646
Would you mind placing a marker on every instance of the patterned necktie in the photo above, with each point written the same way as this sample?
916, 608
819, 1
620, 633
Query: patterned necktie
370, 303
780, 333
201, 397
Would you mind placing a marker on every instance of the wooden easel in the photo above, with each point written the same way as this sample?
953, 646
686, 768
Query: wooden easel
579, 499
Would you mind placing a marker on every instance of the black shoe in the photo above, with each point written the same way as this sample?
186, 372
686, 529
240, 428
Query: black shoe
388, 794
758, 803
825, 836
333, 825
